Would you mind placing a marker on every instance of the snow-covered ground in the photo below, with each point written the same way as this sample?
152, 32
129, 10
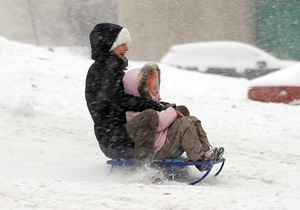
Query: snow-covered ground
50, 158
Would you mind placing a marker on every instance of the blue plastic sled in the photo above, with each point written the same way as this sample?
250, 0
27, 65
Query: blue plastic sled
171, 163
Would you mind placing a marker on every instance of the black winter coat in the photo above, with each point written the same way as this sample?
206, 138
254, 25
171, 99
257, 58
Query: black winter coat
105, 97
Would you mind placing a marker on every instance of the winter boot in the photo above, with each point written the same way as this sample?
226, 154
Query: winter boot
210, 155
220, 153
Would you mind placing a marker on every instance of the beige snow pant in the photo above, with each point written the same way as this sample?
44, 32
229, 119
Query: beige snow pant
184, 135
142, 130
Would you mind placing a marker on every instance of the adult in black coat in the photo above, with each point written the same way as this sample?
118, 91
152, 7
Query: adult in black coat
105, 97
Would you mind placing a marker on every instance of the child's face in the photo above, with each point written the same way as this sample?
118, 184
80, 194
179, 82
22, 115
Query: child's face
154, 89
121, 50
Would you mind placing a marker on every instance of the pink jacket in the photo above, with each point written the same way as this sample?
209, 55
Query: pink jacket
166, 117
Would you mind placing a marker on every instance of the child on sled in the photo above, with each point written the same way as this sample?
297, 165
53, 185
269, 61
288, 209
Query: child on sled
177, 132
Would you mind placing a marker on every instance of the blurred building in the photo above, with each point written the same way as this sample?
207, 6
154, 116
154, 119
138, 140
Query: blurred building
278, 27
54, 22
156, 25
273, 25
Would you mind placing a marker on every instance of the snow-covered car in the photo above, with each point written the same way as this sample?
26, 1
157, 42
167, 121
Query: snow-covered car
282, 86
228, 58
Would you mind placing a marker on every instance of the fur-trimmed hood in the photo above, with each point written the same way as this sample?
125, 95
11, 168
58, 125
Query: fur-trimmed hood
135, 83
135, 80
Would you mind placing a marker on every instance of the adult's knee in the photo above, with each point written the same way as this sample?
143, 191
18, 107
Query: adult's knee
194, 119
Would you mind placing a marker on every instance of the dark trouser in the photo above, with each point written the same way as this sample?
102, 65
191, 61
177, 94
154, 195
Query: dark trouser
116, 144
117, 152
142, 130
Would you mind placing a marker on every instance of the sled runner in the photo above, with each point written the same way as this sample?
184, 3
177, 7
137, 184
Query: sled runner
171, 163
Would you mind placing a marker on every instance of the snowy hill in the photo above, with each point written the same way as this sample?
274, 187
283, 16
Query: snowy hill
50, 158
